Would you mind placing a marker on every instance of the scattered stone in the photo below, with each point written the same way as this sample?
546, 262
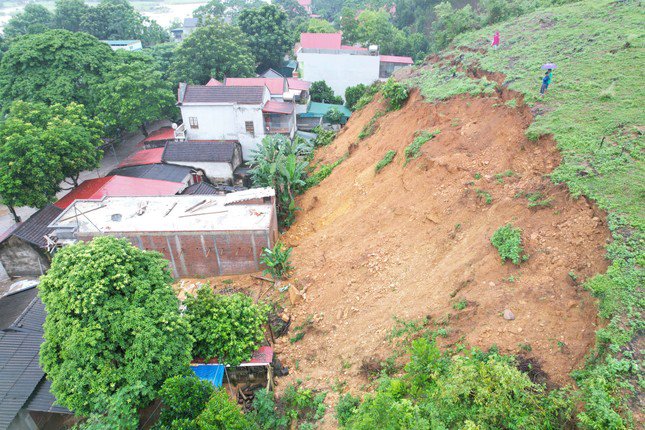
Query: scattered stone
508, 315
295, 296
491, 283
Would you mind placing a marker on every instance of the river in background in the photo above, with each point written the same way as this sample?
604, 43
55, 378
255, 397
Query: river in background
162, 12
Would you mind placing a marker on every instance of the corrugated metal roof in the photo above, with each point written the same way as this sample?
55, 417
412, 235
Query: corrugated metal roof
396, 59
143, 157
321, 40
121, 186
298, 84
35, 227
164, 172
13, 305
214, 151
270, 73
223, 94
42, 400
164, 133
204, 188
317, 109
19, 371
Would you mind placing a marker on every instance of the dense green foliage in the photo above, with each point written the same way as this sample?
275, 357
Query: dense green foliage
471, 391
323, 137
387, 159
593, 110
282, 164
322, 172
277, 261
268, 34
216, 50
222, 414
109, 19
394, 93
228, 328
354, 94
57, 66
40, 146
413, 150
321, 92
367, 96
113, 332
184, 398
333, 116
508, 241
133, 93
296, 407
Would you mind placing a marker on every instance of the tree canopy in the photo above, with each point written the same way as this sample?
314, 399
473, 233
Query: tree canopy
133, 93
34, 19
315, 25
57, 66
229, 328
113, 331
321, 92
215, 50
268, 33
42, 145
68, 14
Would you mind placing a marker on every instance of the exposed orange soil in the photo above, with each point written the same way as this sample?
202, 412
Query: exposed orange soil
411, 241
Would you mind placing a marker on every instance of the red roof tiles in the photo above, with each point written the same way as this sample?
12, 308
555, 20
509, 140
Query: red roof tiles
275, 85
119, 186
273, 106
164, 133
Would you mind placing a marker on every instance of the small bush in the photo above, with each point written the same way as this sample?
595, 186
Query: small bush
324, 171
395, 93
368, 96
512, 103
184, 398
460, 305
387, 159
333, 116
412, 151
370, 127
323, 137
346, 408
222, 414
277, 261
228, 328
485, 195
354, 94
508, 241
537, 200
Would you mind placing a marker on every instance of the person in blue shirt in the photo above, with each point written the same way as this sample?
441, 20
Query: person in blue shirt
546, 80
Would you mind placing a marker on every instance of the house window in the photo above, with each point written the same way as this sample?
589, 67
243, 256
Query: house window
193, 122
250, 128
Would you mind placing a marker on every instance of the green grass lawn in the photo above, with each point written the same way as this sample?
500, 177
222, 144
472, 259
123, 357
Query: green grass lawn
594, 109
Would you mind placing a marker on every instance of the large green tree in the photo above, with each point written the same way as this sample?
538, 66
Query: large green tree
133, 93
40, 146
33, 19
268, 32
68, 14
57, 66
216, 50
113, 332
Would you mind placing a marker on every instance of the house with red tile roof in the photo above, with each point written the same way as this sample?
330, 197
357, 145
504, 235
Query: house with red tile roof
323, 57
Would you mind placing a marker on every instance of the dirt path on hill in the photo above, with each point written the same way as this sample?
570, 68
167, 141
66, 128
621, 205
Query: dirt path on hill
412, 241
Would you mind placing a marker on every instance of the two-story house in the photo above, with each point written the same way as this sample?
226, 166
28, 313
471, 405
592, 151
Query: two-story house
233, 113
281, 89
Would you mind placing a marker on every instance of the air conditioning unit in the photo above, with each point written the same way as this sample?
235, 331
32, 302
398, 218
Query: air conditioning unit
373, 49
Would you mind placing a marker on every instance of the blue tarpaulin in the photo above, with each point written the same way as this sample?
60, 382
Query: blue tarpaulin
213, 373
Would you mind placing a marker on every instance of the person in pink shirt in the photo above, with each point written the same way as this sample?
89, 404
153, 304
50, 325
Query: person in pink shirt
495, 43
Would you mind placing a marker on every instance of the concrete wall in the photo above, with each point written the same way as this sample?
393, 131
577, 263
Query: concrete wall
21, 258
193, 254
339, 70
216, 172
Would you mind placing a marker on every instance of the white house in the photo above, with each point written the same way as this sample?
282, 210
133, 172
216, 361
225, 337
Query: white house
217, 159
281, 89
235, 113
323, 57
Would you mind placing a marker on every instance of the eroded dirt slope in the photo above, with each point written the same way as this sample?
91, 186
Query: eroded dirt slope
411, 241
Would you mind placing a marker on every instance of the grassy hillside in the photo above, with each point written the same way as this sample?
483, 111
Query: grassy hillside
594, 110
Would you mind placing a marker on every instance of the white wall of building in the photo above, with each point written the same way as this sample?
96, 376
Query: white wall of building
225, 122
216, 172
339, 70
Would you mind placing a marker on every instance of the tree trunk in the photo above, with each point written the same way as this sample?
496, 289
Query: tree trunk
16, 218
75, 180
143, 129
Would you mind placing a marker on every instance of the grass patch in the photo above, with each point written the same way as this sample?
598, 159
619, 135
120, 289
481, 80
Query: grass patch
370, 127
387, 159
412, 151
323, 171
500, 176
508, 241
485, 196
512, 103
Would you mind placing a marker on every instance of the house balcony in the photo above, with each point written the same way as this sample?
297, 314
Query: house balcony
278, 124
